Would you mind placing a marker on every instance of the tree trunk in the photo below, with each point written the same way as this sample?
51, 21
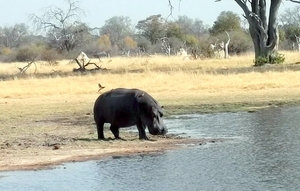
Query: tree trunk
298, 42
261, 48
264, 33
226, 46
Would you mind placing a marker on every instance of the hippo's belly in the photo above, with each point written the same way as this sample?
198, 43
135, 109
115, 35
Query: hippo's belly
121, 118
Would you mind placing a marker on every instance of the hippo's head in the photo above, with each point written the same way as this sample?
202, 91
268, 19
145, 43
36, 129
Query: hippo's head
151, 115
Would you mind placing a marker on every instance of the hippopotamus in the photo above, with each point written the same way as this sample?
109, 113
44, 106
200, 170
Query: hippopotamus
127, 107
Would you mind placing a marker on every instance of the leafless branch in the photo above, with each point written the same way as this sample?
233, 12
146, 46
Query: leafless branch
23, 70
294, 1
57, 18
171, 9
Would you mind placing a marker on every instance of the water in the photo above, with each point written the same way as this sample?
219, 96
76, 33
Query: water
261, 152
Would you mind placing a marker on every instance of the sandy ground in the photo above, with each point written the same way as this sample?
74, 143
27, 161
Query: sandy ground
23, 155
43, 141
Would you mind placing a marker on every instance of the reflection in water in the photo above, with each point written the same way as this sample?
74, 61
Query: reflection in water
261, 154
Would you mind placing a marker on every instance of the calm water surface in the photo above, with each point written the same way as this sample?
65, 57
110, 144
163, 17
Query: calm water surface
261, 151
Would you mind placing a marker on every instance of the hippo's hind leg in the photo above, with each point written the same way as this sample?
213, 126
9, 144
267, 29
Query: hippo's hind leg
115, 131
142, 132
100, 124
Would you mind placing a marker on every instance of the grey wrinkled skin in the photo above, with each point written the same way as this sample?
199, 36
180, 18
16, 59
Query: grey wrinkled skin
127, 107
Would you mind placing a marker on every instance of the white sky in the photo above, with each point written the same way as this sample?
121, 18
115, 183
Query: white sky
97, 11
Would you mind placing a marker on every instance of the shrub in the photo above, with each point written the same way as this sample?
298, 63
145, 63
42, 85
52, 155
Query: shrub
277, 59
272, 59
240, 43
50, 56
26, 54
7, 55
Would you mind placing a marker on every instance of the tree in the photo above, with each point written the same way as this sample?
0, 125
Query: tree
226, 21
185, 23
70, 38
62, 26
117, 28
129, 43
198, 28
291, 16
190, 26
174, 30
104, 43
263, 29
152, 28
190, 41
290, 25
11, 36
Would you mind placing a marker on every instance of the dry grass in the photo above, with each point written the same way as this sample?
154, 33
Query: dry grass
168, 79
155, 63
172, 81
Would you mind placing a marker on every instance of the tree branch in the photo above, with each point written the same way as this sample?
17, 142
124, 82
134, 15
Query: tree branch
262, 13
294, 1
171, 9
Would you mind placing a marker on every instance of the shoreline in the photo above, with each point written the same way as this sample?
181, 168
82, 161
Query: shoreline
51, 158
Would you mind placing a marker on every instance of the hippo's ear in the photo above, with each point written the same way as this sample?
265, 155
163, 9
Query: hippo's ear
141, 95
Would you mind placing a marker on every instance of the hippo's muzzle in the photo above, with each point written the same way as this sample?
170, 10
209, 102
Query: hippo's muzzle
158, 131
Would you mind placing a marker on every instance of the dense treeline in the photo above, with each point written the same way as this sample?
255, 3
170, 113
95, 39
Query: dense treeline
64, 36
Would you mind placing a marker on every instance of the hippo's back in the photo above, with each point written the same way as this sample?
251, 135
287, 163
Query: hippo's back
117, 107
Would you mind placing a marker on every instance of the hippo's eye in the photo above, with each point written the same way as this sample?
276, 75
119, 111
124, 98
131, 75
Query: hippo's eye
161, 114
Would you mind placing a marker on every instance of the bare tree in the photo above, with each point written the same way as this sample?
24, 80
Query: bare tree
62, 26
10, 36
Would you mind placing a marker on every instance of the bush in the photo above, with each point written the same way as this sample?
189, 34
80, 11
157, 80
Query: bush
272, 59
50, 56
204, 45
7, 55
277, 59
240, 43
26, 54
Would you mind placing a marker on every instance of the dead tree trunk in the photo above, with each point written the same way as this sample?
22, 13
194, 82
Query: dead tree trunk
298, 41
226, 46
83, 61
23, 70
165, 45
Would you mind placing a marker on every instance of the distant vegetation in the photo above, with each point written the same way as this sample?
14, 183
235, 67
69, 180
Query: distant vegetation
64, 36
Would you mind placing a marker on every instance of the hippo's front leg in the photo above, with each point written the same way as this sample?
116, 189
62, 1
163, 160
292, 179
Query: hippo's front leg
115, 131
142, 133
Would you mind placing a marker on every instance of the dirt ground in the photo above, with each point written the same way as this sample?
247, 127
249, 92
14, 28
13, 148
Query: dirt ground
68, 139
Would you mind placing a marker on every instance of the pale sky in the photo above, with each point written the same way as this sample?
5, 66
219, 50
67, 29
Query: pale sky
97, 11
